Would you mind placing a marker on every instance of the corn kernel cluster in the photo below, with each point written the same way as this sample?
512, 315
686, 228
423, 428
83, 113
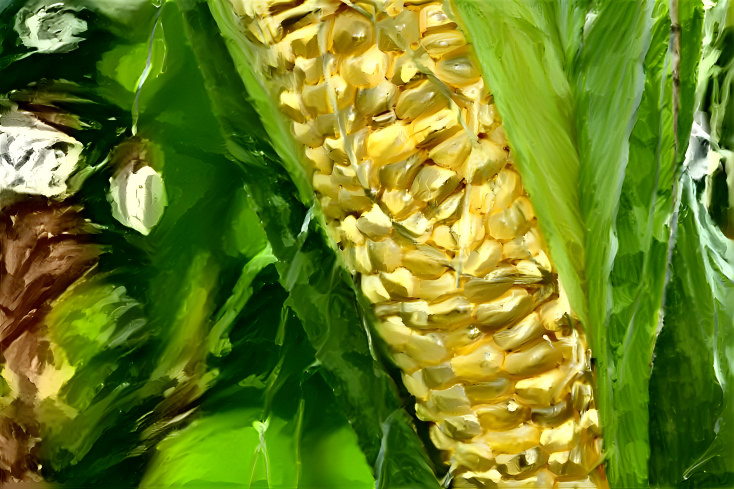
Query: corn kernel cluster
412, 169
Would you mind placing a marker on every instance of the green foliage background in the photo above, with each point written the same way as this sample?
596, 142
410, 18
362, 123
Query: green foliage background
229, 348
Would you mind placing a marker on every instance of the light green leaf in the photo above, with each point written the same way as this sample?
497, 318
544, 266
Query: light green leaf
219, 451
269, 420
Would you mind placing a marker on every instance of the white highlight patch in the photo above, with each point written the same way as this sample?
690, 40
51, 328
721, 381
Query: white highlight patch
35, 158
49, 28
138, 198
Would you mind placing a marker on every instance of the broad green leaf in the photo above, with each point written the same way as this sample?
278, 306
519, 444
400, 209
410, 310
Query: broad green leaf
268, 420
647, 202
222, 450
692, 401
320, 290
691, 398
234, 448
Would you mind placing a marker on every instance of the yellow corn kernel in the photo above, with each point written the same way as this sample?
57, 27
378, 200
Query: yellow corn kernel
482, 362
411, 164
502, 416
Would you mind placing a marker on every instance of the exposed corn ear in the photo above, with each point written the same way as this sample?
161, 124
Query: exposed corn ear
412, 169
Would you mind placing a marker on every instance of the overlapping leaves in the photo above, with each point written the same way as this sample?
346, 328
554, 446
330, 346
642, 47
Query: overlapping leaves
691, 383
156, 336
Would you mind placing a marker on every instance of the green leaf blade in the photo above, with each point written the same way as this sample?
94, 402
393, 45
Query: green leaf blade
691, 387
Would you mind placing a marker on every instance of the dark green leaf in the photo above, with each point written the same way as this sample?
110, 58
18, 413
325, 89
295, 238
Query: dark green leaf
691, 399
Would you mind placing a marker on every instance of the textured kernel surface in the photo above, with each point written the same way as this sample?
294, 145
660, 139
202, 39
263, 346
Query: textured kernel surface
410, 163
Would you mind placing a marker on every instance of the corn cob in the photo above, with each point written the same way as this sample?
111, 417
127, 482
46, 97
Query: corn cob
412, 169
